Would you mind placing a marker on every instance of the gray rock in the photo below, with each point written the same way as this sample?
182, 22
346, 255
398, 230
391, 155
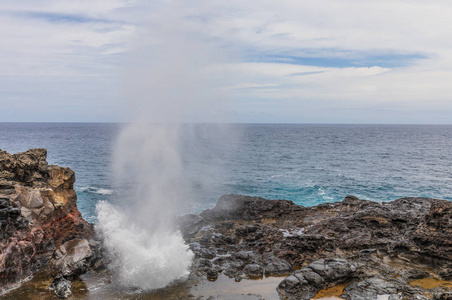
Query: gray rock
305, 283
253, 270
332, 269
312, 278
276, 266
246, 256
212, 274
30, 199
370, 289
376, 241
61, 287
73, 257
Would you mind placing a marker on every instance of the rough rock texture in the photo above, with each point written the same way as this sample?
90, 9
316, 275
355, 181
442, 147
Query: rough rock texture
372, 249
305, 283
38, 215
72, 257
61, 287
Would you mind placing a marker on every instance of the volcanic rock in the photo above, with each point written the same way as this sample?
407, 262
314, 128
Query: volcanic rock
61, 287
73, 257
40, 224
360, 249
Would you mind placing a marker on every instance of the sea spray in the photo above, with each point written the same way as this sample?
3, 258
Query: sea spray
173, 80
139, 232
142, 258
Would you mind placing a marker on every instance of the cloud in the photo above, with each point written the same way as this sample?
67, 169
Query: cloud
283, 61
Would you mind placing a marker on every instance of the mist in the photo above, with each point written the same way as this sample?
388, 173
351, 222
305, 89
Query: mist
170, 86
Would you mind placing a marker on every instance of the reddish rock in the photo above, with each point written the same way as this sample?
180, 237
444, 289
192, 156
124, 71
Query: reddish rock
38, 214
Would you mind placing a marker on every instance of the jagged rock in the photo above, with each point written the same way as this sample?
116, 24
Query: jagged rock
239, 207
38, 214
253, 270
307, 282
275, 266
371, 288
73, 257
382, 246
61, 287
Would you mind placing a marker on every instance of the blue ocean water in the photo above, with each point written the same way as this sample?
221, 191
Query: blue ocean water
308, 164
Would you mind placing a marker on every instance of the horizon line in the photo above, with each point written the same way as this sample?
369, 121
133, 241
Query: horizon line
224, 123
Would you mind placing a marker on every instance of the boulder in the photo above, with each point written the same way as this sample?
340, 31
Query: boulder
307, 282
61, 287
73, 258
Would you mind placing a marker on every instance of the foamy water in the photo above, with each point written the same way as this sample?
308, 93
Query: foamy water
95, 190
143, 258
138, 229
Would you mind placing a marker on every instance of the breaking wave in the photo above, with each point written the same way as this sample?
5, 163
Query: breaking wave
142, 258
95, 190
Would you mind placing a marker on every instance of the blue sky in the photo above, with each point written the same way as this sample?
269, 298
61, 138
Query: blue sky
325, 61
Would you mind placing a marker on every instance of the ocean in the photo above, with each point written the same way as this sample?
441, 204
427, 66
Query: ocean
306, 163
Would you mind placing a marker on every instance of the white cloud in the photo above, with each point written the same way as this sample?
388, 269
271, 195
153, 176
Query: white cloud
372, 53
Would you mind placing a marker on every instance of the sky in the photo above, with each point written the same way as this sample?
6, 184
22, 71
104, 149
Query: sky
323, 61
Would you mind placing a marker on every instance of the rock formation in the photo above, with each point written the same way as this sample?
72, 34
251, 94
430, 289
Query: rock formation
40, 224
359, 249
354, 249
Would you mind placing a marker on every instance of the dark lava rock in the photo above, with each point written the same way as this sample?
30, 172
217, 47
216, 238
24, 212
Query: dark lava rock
239, 207
212, 274
371, 288
307, 282
253, 270
61, 287
275, 266
371, 249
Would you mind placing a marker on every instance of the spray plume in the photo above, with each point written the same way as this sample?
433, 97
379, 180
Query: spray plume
169, 85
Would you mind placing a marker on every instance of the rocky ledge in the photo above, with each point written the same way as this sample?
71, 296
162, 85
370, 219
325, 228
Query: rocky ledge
40, 225
354, 249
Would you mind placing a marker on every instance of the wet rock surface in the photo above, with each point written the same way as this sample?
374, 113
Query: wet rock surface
61, 287
373, 250
40, 224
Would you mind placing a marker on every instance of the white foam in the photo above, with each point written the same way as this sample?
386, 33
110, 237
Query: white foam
143, 258
95, 190
101, 191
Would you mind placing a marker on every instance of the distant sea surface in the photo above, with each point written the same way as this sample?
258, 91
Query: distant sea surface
308, 164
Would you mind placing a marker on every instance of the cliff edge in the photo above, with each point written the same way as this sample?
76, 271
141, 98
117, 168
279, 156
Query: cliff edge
40, 224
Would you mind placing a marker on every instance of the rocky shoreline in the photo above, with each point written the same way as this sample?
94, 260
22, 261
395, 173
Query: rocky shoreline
354, 249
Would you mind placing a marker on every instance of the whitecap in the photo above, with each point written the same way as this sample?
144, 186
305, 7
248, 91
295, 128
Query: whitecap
94, 190
102, 191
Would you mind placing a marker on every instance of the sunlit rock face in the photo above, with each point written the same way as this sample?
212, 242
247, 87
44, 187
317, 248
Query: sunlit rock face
38, 214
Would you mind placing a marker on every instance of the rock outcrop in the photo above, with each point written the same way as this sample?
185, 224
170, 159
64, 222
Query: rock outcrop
40, 224
354, 249
359, 249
